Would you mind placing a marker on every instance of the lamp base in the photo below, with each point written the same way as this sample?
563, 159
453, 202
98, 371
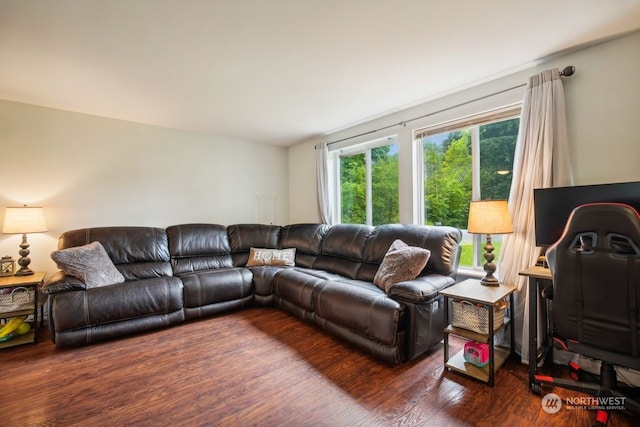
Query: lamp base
489, 267
490, 281
24, 259
24, 272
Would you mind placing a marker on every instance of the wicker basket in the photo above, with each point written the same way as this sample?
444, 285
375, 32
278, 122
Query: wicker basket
467, 315
20, 298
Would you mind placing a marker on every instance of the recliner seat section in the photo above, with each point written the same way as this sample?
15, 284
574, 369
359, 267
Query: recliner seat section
201, 270
201, 257
150, 298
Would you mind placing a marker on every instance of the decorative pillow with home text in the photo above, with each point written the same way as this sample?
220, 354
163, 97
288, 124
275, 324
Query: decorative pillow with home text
401, 263
89, 263
259, 256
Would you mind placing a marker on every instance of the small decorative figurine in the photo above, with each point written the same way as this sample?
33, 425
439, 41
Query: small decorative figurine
7, 266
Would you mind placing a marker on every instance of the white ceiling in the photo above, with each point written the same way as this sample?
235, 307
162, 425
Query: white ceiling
278, 71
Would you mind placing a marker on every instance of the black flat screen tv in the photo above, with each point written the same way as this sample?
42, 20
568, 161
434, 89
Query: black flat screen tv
554, 205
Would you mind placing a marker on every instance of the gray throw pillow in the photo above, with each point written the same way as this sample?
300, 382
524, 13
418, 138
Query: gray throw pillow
401, 263
89, 263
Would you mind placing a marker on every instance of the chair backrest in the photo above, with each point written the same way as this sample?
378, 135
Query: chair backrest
596, 278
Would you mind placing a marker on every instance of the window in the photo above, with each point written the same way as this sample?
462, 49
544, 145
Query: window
368, 183
470, 159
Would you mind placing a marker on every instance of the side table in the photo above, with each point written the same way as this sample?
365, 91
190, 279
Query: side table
471, 290
33, 282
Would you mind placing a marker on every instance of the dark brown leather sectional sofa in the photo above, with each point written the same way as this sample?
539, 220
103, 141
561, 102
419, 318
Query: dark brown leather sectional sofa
195, 270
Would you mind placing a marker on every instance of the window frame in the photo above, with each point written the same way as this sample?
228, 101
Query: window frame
473, 123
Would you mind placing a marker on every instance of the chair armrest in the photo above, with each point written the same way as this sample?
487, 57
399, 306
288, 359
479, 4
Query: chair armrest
60, 282
421, 289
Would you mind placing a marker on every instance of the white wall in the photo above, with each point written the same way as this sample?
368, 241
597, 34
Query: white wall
603, 114
90, 171
603, 111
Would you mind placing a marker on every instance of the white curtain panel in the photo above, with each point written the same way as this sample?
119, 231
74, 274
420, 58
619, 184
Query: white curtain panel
324, 185
541, 160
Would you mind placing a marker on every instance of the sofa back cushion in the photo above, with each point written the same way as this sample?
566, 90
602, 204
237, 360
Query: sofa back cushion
243, 237
137, 252
442, 242
342, 249
306, 239
197, 247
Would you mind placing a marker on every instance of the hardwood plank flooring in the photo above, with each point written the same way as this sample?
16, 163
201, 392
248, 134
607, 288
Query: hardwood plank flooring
257, 367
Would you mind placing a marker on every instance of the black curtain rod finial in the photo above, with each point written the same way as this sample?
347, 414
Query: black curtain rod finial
568, 71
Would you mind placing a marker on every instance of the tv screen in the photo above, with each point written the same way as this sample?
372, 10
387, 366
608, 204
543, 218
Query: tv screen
554, 205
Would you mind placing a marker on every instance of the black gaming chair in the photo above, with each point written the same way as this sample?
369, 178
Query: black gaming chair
595, 301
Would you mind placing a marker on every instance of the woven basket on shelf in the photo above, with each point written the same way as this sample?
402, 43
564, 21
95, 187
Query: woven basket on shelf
467, 315
19, 299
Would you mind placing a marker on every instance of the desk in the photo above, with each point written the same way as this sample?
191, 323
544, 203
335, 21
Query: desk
539, 277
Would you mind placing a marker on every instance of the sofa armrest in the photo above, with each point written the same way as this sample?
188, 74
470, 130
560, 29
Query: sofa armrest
421, 289
60, 282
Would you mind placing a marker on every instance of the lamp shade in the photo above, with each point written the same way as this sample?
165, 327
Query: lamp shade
23, 220
489, 217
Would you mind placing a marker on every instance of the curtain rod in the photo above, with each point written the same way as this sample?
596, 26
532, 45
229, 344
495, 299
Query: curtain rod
567, 71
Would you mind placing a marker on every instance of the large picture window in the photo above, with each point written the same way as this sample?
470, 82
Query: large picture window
368, 183
470, 159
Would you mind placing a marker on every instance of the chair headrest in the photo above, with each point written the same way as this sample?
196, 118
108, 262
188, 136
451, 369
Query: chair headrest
603, 227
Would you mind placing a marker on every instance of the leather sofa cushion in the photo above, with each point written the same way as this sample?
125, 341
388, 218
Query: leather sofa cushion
188, 240
243, 237
342, 249
137, 252
306, 239
421, 290
197, 247
297, 287
216, 286
361, 307
322, 274
263, 278
116, 303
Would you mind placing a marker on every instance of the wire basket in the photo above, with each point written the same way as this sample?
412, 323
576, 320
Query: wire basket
19, 298
467, 315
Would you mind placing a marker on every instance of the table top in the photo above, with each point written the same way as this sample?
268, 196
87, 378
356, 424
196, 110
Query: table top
537, 271
472, 290
32, 279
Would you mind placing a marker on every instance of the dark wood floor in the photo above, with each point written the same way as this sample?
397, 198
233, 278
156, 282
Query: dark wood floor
258, 367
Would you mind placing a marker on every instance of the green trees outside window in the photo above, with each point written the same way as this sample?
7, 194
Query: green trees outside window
353, 189
470, 160
448, 174
369, 186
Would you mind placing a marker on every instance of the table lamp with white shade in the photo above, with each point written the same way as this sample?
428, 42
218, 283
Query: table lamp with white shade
24, 220
489, 217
